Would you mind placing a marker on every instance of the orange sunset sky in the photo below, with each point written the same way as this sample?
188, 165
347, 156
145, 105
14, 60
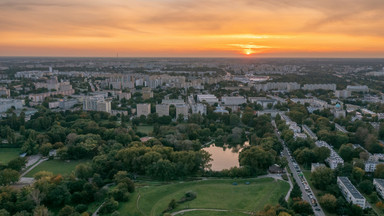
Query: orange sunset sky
192, 28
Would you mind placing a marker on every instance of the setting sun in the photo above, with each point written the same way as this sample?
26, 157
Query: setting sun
248, 52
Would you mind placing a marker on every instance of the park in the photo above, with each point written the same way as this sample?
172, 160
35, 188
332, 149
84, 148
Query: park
213, 197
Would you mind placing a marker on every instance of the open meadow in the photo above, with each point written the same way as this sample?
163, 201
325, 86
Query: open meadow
56, 167
211, 194
8, 154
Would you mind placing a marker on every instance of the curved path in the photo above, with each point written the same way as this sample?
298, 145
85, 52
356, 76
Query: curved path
189, 210
274, 176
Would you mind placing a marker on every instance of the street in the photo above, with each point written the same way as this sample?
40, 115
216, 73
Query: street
307, 195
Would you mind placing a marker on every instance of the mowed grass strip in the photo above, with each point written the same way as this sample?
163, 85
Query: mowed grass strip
211, 194
8, 154
213, 213
56, 167
145, 129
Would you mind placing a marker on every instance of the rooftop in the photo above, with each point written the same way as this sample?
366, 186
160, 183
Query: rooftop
380, 181
351, 188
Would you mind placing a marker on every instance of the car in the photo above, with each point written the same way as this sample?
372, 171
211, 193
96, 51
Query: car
317, 209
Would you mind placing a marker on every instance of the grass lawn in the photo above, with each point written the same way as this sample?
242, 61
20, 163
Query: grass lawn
56, 167
211, 194
213, 213
145, 129
8, 154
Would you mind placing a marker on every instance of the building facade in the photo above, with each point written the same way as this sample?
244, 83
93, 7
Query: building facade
350, 193
162, 109
143, 109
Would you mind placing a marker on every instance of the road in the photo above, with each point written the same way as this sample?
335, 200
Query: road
299, 180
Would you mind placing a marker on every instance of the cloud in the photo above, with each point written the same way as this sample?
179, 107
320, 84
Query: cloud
209, 25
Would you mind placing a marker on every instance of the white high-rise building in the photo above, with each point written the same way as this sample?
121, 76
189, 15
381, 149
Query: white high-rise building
363, 88
199, 108
342, 94
6, 104
210, 99
97, 104
312, 87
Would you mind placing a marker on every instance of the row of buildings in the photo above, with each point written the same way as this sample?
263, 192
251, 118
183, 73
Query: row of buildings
352, 195
130, 81
294, 127
334, 159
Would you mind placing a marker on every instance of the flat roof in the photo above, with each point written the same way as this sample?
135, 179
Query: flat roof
380, 181
351, 188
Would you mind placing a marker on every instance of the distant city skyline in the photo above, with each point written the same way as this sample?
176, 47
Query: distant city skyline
192, 28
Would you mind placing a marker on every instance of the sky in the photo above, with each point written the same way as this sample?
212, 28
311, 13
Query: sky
192, 28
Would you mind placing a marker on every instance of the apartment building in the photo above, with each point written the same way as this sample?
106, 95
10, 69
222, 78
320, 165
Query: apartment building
334, 159
379, 186
94, 103
350, 193
162, 109
143, 109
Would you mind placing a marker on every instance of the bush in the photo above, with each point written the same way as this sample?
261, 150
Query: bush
109, 206
188, 197
119, 194
115, 213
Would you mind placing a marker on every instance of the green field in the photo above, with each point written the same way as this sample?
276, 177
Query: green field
213, 213
56, 167
211, 194
145, 129
7, 154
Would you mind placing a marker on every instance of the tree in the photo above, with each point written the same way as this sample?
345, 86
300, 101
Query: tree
45, 148
346, 152
329, 202
83, 171
296, 191
361, 134
379, 171
41, 211
305, 157
17, 163
8, 176
364, 155
67, 211
366, 187
356, 210
109, 206
357, 174
234, 120
121, 178
372, 144
302, 207
58, 195
4, 212
163, 170
321, 153
322, 177
256, 158
42, 174
381, 131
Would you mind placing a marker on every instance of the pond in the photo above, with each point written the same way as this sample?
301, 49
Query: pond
224, 157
